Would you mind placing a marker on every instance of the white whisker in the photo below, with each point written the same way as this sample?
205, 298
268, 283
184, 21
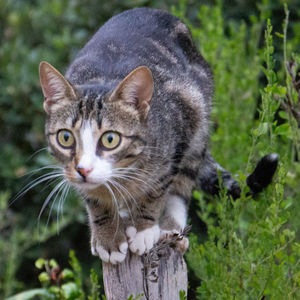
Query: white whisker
137, 172
116, 207
57, 187
53, 167
63, 195
35, 153
34, 183
63, 198
146, 184
58, 192
117, 185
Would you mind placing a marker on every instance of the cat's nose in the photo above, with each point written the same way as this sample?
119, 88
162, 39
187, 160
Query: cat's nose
83, 171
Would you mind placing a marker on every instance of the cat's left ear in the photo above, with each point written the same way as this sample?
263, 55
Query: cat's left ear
56, 89
136, 90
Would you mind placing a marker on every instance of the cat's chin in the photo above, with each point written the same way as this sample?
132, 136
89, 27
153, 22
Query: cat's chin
87, 186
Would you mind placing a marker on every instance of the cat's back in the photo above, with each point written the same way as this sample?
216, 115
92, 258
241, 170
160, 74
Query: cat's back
136, 37
139, 22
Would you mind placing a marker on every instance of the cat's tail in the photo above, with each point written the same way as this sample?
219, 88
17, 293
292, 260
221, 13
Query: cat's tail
210, 173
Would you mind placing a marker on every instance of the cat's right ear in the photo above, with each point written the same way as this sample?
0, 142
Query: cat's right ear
136, 90
56, 89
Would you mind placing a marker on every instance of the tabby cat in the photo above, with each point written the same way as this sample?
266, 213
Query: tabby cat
129, 122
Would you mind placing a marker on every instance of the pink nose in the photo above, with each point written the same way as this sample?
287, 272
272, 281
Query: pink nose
83, 172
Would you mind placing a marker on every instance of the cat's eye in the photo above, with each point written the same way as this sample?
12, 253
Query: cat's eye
65, 139
110, 140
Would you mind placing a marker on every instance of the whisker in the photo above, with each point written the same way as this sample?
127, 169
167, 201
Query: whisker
63, 198
116, 208
56, 188
41, 176
42, 168
137, 186
35, 153
51, 181
34, 183
117, 185
146, 184
135, 171
63, 195
58, 192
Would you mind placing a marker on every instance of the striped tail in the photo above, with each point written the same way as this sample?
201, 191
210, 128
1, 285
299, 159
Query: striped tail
210, 173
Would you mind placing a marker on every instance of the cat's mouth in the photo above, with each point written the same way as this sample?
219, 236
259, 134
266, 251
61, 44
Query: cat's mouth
88, 185
86, 182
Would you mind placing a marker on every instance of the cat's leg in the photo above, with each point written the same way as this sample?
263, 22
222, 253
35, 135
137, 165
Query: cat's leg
108, 239
174, 218
144, 232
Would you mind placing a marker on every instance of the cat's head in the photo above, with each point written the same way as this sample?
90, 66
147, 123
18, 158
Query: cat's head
96, 134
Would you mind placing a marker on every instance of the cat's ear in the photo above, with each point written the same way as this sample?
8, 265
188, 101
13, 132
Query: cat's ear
56, 89
136, 90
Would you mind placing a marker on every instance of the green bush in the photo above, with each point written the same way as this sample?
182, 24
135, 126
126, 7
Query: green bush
251, 249
66, 284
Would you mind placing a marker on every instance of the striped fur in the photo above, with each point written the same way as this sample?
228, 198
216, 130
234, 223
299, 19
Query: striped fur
161, 112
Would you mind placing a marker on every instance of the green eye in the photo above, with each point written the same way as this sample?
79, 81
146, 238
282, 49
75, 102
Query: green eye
110, 140
65, 139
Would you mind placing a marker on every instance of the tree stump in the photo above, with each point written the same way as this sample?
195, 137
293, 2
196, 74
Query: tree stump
159, 275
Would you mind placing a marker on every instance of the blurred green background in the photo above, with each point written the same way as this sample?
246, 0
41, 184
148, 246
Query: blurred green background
230, 35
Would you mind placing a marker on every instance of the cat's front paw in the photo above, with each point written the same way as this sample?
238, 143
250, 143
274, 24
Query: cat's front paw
182, 243
109, 251
142, 241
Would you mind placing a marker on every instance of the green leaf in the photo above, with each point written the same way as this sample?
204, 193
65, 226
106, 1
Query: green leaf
182, 295
67, 274
77, 271
94, 290
53, 263
31, 294
40, 263
279, 34
283, 114
263, 128
54, 290
70, 291
76, 268
138, 297
44, 277
283, 129
197, 195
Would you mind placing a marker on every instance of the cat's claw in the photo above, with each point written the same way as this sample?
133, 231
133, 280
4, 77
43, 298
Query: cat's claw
182, 245
112, 257
141, 242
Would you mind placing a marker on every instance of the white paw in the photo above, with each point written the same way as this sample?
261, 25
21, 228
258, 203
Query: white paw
142, 241
116, 257
113, 257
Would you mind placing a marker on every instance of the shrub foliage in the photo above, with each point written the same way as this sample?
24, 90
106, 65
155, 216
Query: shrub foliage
250, 249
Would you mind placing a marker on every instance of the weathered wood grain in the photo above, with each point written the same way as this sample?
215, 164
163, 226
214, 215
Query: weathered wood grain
136, 275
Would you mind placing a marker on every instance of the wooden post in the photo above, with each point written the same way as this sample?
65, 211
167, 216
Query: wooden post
158, 275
